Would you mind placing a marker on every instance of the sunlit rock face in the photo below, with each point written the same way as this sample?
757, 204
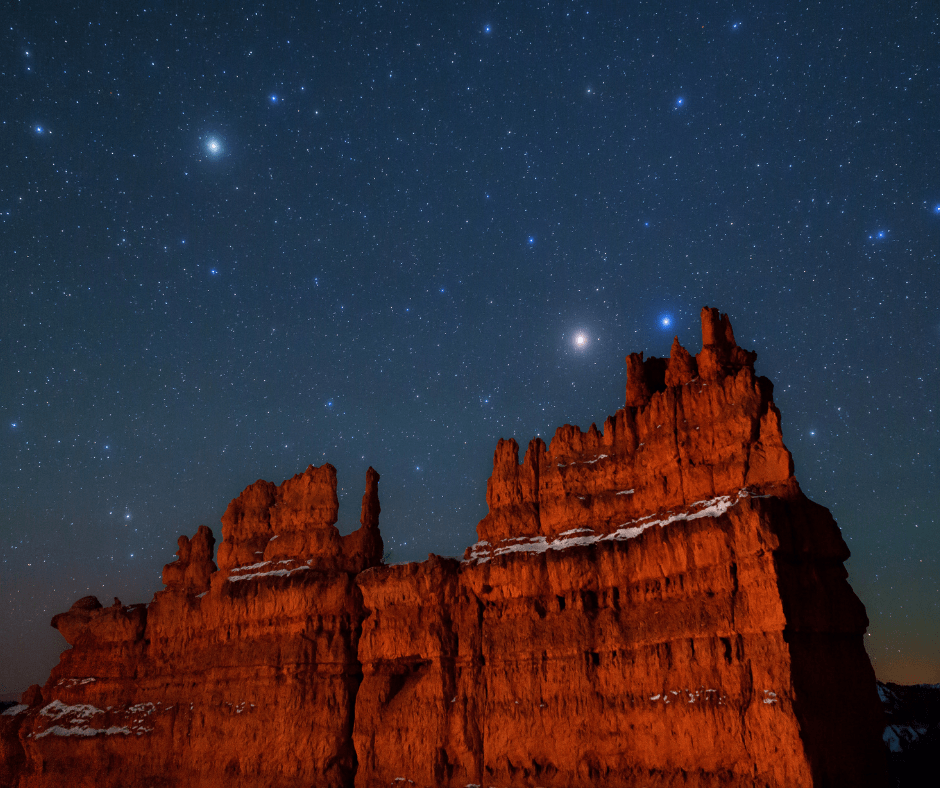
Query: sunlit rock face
651, 604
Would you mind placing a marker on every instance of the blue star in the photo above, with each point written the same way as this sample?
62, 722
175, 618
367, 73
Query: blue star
936, 209
735, 25
680, 102
878, 236
665, 321
487, 29
531, 240
214, 146
213, 271
273, 98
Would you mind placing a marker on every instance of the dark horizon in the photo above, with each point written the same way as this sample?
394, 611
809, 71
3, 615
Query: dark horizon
240, 241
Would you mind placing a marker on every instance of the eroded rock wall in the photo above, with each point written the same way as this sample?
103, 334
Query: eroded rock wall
651, 604
241, 676
669, 658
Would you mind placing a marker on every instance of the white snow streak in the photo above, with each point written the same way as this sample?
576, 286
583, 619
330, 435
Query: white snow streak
58, 730
714, 507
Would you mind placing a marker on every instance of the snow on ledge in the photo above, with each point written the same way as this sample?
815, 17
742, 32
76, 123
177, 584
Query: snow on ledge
14, 710
84, 731
57, 709
273, 573
713, 507
285, 568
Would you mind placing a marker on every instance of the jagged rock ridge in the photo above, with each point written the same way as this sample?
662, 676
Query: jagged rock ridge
656, 603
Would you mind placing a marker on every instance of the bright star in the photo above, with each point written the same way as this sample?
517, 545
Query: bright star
531, 240
214, 146
273, 98
488, 29
665, 321
580, 340
936, 208
680, 101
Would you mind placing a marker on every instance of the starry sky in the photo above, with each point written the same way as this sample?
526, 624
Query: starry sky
246, 238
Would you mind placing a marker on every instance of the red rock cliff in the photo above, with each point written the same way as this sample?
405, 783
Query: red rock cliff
245, 675
654, 604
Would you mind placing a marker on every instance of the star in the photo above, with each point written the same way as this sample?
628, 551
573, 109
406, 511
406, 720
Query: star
665, 321
580, 340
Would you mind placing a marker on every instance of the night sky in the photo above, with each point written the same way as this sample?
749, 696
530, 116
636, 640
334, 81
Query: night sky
239, 241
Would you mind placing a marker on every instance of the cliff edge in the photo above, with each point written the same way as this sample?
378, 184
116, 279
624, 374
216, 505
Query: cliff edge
651, 604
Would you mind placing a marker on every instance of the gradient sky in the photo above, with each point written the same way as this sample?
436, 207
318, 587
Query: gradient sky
244, 239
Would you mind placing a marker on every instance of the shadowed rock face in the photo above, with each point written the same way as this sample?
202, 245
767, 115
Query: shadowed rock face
654, 604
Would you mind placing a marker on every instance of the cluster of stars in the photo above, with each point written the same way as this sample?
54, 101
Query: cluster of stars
390, 239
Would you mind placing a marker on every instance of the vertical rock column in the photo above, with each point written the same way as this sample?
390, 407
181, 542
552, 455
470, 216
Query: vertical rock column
420, 704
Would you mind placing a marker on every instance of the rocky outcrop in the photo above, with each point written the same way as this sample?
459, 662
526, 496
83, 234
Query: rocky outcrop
297, 521
192, 571
698, 439
245, 675
655, 603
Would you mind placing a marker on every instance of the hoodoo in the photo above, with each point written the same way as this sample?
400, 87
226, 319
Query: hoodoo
651, 604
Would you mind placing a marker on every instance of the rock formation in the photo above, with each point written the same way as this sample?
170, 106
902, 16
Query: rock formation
653, 604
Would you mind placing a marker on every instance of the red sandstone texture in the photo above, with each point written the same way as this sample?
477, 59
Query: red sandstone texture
654, 604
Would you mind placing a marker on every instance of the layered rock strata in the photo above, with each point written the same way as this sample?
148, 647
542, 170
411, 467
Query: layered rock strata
246, 675
651, 604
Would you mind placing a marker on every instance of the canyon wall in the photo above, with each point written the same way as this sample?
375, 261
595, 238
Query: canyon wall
651, 604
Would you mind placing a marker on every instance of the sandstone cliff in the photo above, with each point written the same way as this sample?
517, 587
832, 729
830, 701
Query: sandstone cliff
651, 604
